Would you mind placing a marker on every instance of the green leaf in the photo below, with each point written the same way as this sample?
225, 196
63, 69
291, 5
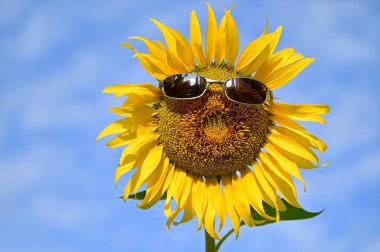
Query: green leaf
141, 195
291, 213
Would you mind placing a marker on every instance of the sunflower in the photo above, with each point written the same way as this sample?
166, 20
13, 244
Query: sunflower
210, 157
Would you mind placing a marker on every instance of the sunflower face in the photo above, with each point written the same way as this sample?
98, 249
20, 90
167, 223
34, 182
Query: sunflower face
211, 135
211, 156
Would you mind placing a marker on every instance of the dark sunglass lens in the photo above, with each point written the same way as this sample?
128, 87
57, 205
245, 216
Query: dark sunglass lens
246, 90
184, 85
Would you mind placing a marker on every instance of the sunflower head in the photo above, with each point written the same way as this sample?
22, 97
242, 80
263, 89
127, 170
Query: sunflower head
211, 155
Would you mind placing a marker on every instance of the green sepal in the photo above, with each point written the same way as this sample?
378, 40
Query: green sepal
141, 195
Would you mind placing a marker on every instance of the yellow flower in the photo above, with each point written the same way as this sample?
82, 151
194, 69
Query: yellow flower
210, 156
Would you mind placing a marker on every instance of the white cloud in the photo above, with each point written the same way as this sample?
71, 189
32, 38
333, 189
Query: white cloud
340, 184
336, 26
39, 32
304, 236
10, 11
56, 99
320, 234
344, 32
32, 165
61, 213
373, 246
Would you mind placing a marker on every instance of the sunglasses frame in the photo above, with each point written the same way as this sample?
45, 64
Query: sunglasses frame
222, 83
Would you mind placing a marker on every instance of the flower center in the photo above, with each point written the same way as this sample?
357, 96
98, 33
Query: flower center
211, 135
215, 128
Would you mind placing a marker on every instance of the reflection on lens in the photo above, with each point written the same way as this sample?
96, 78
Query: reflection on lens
184, 86
246, 90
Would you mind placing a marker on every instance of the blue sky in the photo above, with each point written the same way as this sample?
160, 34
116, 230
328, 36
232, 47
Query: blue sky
56, 183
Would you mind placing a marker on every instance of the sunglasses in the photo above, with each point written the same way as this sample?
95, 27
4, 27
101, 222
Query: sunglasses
238, 89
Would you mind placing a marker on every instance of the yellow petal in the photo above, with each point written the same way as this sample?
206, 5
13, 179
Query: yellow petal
300, 161
261, 58
299, 130
268, 192
155, 67
274, 62
149, 63
161, 45
240, 201
211, 35
129, 136
133, 89
129, 46
140, 100
280, 185
155, 186
188, 213
156, 189
232, 40
277, 171
285, 164
196, 39
276, 38
199, 198
228, 197
137, 111
168, 36
216, 198
300, 112
283, 55
220, 46
296, 56
184, 51
181, 194
131, 125
265, 27
280, 59
285, 74
176, 63
145, 142
302, 137
175, 191
153, 49
121, 140
130, 185
134, 154
152, 69
131, 111
169, 177
177, 178
122, 169
150, 164
292, 146
253, 192
178, 46
280, 204
209, 221
113, 128
253, 49
185, 192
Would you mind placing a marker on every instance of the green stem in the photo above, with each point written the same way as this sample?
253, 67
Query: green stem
225, 237
209, 243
